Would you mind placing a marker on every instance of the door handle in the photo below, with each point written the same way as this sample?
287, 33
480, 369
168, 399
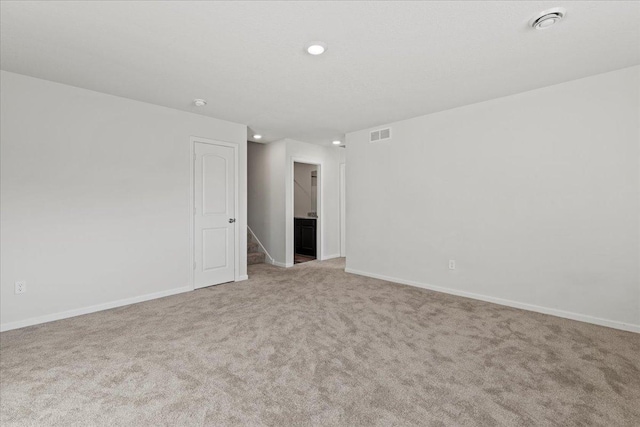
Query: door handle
232, 220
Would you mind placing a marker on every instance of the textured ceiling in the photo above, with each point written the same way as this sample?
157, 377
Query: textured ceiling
386, 61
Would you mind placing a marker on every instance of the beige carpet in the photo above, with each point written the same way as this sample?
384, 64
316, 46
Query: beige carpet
312, 345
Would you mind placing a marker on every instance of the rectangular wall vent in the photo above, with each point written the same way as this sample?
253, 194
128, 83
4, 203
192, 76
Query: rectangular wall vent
380, 135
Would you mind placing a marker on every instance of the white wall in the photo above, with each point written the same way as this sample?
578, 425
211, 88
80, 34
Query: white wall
95, 198
271, 195
266, 175
536, 197
304, 192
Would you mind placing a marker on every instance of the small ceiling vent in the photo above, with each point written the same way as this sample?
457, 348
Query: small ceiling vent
380, 135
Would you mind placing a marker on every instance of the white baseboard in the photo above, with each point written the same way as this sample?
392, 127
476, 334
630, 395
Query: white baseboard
242, 278
91, 309
332, 256
515, 304
281, 264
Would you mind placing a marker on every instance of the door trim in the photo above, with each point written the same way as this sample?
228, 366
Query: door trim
289, 209
343, 210
192, 200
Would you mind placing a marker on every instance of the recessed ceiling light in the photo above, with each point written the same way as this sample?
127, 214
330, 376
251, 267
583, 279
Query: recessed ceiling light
199, 102
547, 18
257, 136
336, 142
315, 48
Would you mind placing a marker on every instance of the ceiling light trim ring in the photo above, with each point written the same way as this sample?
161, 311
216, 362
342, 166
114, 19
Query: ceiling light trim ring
315, 48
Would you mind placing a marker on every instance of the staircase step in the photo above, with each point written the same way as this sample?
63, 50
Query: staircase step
255, 258
252, 247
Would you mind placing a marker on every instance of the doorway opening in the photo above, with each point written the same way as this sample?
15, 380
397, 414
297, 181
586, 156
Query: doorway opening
305, 212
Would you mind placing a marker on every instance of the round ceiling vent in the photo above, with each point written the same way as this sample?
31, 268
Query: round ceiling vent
547, 18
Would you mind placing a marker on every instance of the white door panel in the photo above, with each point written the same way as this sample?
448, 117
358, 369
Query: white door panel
214, 248
214, 216
214, 188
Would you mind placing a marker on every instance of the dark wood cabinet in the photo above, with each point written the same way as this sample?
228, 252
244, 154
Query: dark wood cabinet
305, 236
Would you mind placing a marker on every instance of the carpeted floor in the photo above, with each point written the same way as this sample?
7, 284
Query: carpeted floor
312, 345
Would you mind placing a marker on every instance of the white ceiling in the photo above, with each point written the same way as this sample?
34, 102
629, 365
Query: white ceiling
386, 61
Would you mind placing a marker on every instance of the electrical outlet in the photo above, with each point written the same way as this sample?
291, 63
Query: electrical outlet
21, 287
452, 264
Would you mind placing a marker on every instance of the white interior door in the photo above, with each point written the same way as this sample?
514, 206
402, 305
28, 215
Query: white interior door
214, 215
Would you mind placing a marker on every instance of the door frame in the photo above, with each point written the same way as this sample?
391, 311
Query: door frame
289, 208
343, 210
192, 201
